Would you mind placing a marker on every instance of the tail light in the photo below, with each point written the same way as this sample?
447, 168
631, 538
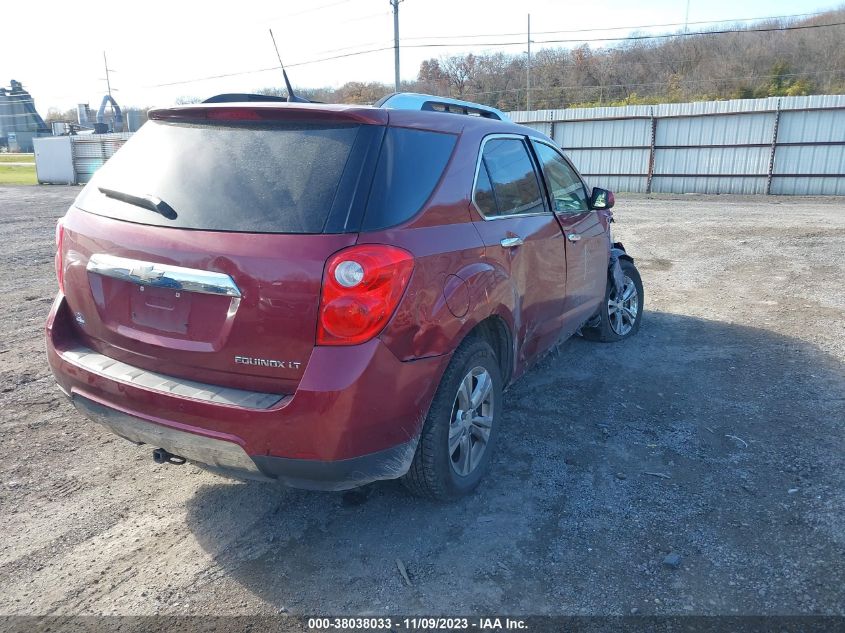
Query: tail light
362, 286
60, 271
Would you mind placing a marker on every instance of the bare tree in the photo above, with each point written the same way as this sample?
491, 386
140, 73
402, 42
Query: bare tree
682, 68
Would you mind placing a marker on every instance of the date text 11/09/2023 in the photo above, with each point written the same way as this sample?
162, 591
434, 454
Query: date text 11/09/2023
374, 623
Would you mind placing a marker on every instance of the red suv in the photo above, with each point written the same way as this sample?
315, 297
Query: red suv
329, 295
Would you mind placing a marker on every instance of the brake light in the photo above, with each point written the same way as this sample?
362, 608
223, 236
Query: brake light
233, 114
60, 271
362, 286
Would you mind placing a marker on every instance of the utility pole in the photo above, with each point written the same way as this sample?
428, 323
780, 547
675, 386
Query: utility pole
106, 64
395, 5
686, 19
528, 69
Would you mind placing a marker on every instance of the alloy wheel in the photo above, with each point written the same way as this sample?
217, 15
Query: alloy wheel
623, 307
472, 421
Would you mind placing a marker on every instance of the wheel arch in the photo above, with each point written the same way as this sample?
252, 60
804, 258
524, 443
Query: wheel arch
619, 251
495, 330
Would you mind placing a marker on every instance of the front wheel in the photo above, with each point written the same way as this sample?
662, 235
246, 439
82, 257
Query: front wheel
621, 312
456, 442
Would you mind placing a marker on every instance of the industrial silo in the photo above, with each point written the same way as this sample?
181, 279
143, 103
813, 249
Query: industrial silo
19, 120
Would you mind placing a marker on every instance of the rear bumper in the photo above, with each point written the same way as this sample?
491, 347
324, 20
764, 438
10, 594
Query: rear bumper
227, 456
354, 418
231, 459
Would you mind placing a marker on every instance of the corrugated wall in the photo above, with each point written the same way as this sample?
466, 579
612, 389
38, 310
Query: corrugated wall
778, 145
91, 151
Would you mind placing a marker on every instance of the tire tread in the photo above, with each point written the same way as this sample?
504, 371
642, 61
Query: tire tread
422, 478
603, 332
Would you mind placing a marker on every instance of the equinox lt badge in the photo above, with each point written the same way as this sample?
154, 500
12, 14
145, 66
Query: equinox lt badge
267, 362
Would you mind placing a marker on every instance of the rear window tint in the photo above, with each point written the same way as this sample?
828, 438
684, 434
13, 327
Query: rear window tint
410, 166
280, 179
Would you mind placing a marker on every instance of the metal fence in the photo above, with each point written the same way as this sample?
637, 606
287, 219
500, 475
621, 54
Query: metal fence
778, 145
91, 151
74, 159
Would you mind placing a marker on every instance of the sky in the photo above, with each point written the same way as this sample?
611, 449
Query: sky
163, 50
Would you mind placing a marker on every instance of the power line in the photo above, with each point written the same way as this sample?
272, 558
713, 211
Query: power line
276, 68
272, 68
319, 8
326, 59
556, 41
311, 9
590, 30
633, 37
362, 18
343, 49
653, 83
210, 77
618, 28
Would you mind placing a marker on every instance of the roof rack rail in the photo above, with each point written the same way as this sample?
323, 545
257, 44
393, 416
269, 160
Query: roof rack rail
417, 101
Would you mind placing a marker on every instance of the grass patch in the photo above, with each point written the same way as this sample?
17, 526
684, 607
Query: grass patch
14, 175
17, 158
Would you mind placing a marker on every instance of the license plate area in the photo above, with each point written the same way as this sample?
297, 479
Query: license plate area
160, 309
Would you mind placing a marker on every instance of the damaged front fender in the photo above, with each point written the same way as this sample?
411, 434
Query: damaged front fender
617, 252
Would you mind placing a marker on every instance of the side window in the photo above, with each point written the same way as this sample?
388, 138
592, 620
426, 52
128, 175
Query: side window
508, 174
484, 197
567, 190
410, 165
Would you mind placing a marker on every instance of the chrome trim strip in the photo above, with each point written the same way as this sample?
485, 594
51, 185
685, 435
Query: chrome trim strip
96, 363
163, 275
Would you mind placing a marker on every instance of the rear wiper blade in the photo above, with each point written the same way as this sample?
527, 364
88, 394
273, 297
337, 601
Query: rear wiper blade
145, 202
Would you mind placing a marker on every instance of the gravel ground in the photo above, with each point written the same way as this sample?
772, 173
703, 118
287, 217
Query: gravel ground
732, 395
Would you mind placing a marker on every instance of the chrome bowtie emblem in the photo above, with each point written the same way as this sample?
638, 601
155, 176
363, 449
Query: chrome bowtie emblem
146, 273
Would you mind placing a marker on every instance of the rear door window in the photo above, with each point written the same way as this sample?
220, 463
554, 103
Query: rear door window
511, 173
257, 179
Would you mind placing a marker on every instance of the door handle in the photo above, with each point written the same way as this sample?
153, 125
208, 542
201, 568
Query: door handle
573, 237
511, 242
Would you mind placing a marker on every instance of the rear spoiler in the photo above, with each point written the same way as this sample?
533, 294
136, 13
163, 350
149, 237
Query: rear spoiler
244, 97
272, 112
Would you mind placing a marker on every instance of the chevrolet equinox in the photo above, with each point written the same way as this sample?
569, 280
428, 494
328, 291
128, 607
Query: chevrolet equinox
329, 295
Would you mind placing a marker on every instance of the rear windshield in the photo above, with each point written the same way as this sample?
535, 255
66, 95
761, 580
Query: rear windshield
280, 179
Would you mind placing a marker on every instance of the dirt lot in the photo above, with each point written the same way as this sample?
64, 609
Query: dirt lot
733, 392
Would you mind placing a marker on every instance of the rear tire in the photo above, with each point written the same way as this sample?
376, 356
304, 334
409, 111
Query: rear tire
457, 439
619, 318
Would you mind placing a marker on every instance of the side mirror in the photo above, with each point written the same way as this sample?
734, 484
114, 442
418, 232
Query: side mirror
602, 199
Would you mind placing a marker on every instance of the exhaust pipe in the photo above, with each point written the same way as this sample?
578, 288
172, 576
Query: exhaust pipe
161, 456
